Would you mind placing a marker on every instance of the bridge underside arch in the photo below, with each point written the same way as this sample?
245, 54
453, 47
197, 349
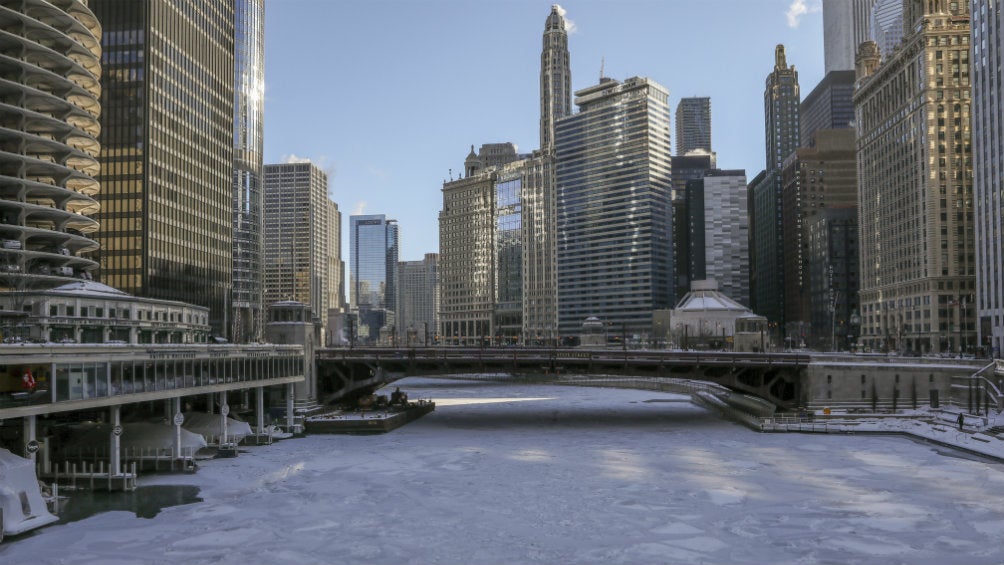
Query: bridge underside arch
778, 384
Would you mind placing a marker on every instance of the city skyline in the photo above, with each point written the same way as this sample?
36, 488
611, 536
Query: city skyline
387, 149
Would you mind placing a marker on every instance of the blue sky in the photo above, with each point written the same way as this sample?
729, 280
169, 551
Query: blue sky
388, 95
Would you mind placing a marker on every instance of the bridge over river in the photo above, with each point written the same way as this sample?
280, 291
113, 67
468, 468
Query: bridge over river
776, 377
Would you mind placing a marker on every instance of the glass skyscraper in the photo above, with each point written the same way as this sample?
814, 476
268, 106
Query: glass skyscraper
167, 151
373, 241
614, 251
693, 125
988, 172
249, 103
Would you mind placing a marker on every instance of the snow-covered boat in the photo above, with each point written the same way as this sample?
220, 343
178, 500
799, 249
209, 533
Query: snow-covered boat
22, 507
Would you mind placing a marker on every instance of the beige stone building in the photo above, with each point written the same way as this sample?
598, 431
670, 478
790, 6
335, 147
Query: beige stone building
916, 191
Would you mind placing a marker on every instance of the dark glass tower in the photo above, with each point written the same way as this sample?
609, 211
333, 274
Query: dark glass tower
693, 125
781, 138
167, 151
249, 102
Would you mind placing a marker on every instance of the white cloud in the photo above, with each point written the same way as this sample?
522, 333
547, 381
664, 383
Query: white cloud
799, 8
569, 24
292, 158
360, 208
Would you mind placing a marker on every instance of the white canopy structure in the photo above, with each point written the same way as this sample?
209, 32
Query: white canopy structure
138, 438
22, 507
705, 316
210, 427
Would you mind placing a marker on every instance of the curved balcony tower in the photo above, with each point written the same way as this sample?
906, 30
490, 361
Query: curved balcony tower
50, 72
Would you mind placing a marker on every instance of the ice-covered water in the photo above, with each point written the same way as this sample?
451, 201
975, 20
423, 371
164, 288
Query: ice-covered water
543, 474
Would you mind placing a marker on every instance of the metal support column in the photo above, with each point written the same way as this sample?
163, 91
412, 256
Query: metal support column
290, 396
260, 408
30, 443
178, 419
115, 442
224, 411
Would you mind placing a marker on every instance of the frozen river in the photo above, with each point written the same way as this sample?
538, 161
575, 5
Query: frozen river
542, 474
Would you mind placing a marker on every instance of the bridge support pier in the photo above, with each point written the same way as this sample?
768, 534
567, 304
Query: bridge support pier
115, 442
290, 398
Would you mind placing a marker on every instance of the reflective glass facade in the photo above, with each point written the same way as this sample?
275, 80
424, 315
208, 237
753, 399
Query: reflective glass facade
614, 250
167, 151
988, 171
249, 103
693, 125
508, 260
373, 240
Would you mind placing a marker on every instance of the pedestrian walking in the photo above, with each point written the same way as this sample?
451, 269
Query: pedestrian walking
962, 420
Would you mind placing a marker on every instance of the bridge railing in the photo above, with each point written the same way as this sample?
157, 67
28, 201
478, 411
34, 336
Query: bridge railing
555, 355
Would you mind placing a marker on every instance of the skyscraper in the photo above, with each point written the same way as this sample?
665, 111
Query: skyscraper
418, 300
693, 125
845, 26
299, 220
167, 151
48, 163
829, 106
685, 169
246, 323
719, 232
781, 131
887, 25
614, 253
988, 172
466, 254
918, 259
555, 77
781, 98
816, 179
373, 243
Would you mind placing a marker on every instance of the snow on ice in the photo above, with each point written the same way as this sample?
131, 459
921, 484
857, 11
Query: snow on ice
545, 474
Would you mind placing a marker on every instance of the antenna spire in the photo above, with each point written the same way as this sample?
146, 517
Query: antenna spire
603, 61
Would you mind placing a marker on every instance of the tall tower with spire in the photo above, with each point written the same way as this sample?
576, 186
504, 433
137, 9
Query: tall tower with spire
555, 77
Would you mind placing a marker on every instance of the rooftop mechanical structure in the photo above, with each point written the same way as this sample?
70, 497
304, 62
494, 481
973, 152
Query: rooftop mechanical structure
50, 67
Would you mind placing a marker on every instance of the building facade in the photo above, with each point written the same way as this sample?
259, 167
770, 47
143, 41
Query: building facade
418, 301
466, 249
718, 229
693, 125
846, 24
685, 169
815, 179
246, 321
614, 218
167, 155
833, 263
49, 152
374, 247
988, 172
829, 106
918, 261
298, 222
